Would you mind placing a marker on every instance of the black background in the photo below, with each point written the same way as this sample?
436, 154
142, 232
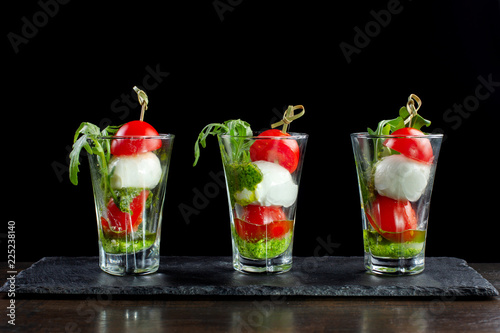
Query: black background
248, 60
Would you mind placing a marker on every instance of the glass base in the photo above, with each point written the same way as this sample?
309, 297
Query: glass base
276, 265
389, 266
139, 263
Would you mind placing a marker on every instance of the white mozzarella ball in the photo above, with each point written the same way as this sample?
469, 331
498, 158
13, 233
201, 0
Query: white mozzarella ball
401, 178
277, 187
141, 170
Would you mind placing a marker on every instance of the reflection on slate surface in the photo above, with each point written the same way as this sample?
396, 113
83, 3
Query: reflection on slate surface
325, 276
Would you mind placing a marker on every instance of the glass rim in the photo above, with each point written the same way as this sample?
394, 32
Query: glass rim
143, 137
292, 135
366, 135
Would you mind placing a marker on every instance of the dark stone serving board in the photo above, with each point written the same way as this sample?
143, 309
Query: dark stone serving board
310, 276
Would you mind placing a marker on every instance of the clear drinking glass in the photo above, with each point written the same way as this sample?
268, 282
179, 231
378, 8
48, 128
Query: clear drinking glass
129, 192
262, 180
395, 192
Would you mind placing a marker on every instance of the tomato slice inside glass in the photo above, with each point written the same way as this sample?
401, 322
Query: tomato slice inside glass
284, 152
419, 149
253, 233
262, 222
262, 215
133, 146
393, 219
120, 223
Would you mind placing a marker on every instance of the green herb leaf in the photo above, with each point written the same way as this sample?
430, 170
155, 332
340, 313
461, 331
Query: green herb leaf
110, 130
237, 128
86, 129
403, 112
387, 127
75, 158
418, 121
395, 124
84, 132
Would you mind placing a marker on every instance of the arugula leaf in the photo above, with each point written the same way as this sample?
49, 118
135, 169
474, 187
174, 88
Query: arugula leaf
101, 147
202, 137
238, 128
85, 130
387, 127
416, 122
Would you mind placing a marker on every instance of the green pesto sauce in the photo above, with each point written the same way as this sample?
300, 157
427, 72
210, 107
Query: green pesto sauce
378, 246
126, 195
263, 248
242, 176
127, 244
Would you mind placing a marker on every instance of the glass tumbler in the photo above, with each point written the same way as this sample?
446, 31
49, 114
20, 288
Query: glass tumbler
395, 178
129, 192
262, 180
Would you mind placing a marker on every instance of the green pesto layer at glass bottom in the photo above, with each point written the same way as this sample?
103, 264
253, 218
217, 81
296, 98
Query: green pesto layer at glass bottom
263, 248
378, 246
127, 244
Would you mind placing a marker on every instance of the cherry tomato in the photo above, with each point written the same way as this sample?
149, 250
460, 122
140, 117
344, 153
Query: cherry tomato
262, 215
395, 220
262, 222
283, 152
120, 223
135, 146
419, 149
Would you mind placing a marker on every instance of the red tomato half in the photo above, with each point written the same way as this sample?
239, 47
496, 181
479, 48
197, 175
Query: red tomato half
284, 152
262, 214
135, 146
262, 222
119, 222
419, 149
393, 219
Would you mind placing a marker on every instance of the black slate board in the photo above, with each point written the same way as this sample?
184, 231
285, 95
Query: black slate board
310, 276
